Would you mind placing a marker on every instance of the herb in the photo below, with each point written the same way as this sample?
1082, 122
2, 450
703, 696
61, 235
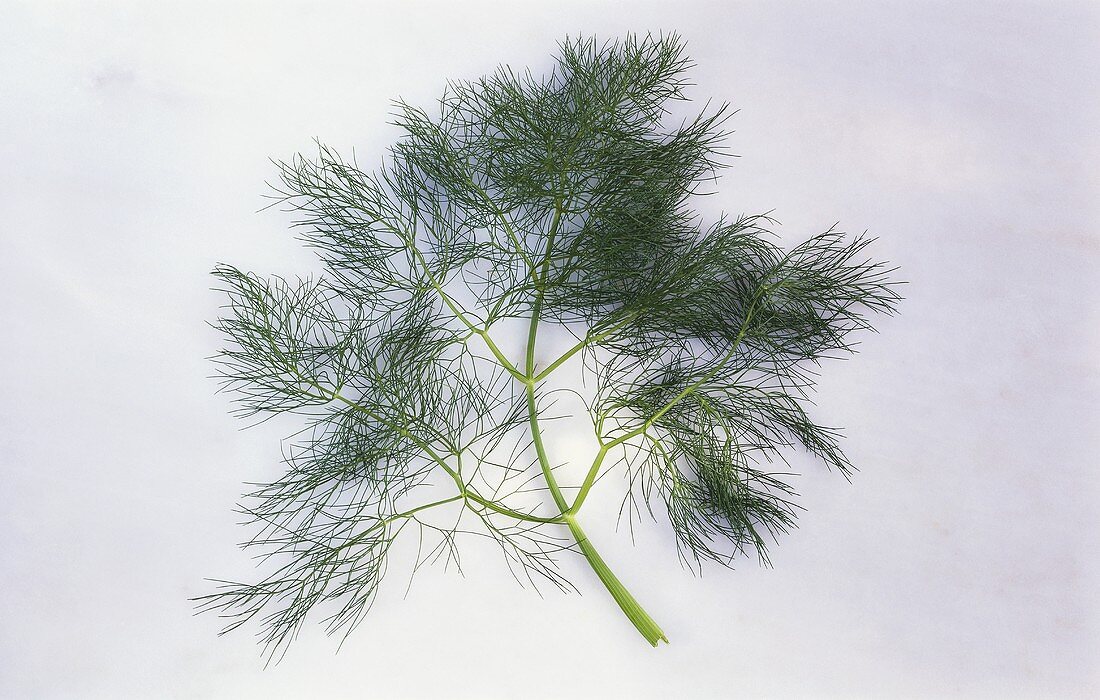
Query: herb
527, 202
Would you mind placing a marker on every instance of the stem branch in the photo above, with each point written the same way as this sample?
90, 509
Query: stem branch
627, 603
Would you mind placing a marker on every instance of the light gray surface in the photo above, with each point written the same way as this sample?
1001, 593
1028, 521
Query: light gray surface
961, 561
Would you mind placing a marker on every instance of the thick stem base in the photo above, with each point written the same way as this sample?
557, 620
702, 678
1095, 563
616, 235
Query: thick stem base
630, 607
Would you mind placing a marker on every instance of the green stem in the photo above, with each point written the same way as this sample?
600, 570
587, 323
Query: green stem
582, 344
472, 495
594, 470
627, 603
533, 411
433, 504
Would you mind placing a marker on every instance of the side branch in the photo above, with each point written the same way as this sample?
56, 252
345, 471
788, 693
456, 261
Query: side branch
465, 491
508, 229
589, 339
479, 329
597, 463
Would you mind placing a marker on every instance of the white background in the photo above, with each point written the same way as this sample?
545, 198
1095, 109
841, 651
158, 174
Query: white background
961, 561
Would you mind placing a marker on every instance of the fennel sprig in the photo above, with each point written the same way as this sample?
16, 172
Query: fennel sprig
542, 201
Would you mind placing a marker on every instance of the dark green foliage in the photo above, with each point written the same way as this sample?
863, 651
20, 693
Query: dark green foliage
557, 199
